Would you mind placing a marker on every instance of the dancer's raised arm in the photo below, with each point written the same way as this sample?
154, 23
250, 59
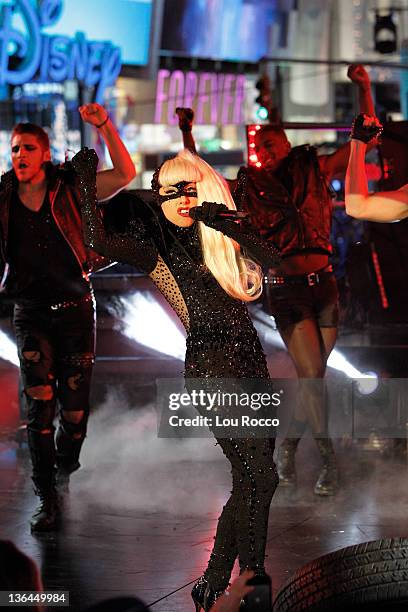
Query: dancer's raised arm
383, 206
134, 247
335, 164
109, 182
186, 117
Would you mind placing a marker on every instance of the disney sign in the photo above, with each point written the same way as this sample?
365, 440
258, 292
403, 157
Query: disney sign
45, 58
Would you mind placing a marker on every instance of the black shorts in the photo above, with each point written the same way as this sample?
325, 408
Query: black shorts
290, 303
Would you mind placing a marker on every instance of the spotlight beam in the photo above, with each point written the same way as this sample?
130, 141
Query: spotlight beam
8, 349
336, 361
148, 323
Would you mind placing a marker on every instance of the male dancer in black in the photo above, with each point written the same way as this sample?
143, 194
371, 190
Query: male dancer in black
47, 269
289, 203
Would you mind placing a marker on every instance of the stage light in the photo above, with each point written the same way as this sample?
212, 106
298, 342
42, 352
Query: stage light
336, 184
147, 322
367, 384
262, 113
385, 33
264, 99
252, 156
8, 350
337, 361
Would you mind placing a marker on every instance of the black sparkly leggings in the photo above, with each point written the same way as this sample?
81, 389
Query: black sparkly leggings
243, 524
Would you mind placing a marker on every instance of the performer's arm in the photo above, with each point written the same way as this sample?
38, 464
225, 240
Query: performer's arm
262, 251
358, 74
381, 206
232, 599
134, 247
335, 164
186, 117
109, 182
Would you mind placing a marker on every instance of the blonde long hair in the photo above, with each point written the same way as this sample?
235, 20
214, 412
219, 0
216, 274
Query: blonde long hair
238, 276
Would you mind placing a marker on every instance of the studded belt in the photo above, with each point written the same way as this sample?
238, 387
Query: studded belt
88, 297
307, 280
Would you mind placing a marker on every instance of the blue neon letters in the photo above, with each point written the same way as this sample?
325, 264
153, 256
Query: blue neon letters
53, 58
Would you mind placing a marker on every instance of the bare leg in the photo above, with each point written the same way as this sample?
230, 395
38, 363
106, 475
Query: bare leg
309, 347
306, 347
329, 337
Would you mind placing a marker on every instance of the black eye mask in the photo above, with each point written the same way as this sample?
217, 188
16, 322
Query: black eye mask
181, 191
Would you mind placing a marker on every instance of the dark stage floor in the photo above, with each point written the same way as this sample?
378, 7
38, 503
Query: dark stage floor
143, 509
144, 524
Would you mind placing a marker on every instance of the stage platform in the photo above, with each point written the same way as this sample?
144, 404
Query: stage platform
143, 513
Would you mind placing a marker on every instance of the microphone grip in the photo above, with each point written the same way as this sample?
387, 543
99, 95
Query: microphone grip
195, 214
232, 214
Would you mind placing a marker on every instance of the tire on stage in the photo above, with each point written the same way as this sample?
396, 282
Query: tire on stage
368, 576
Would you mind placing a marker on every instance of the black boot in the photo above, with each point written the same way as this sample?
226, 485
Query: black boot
286, 462
67, 454
327, 483
46, 517
68, 451
42, 450
204, 596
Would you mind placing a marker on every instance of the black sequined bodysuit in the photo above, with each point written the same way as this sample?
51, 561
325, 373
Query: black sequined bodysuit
221, 342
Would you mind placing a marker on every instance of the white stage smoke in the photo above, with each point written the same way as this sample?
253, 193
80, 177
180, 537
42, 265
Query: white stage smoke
126, 466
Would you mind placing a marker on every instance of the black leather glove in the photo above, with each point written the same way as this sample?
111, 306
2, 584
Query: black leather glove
186, 116
263, 251
208, 212
365, 128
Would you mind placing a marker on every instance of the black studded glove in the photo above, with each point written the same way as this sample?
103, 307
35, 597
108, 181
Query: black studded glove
262, 251
365, 128
186, 116
208, 212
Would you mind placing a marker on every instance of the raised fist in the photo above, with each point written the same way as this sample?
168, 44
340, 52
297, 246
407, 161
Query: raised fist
359, 75
186, 116
95, 114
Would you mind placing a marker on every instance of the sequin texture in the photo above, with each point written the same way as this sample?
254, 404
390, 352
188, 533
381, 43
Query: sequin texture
221, 343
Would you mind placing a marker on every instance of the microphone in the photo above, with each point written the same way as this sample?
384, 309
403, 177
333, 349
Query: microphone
232, 214
224, 214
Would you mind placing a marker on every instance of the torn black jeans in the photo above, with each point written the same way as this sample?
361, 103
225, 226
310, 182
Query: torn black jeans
56, 347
